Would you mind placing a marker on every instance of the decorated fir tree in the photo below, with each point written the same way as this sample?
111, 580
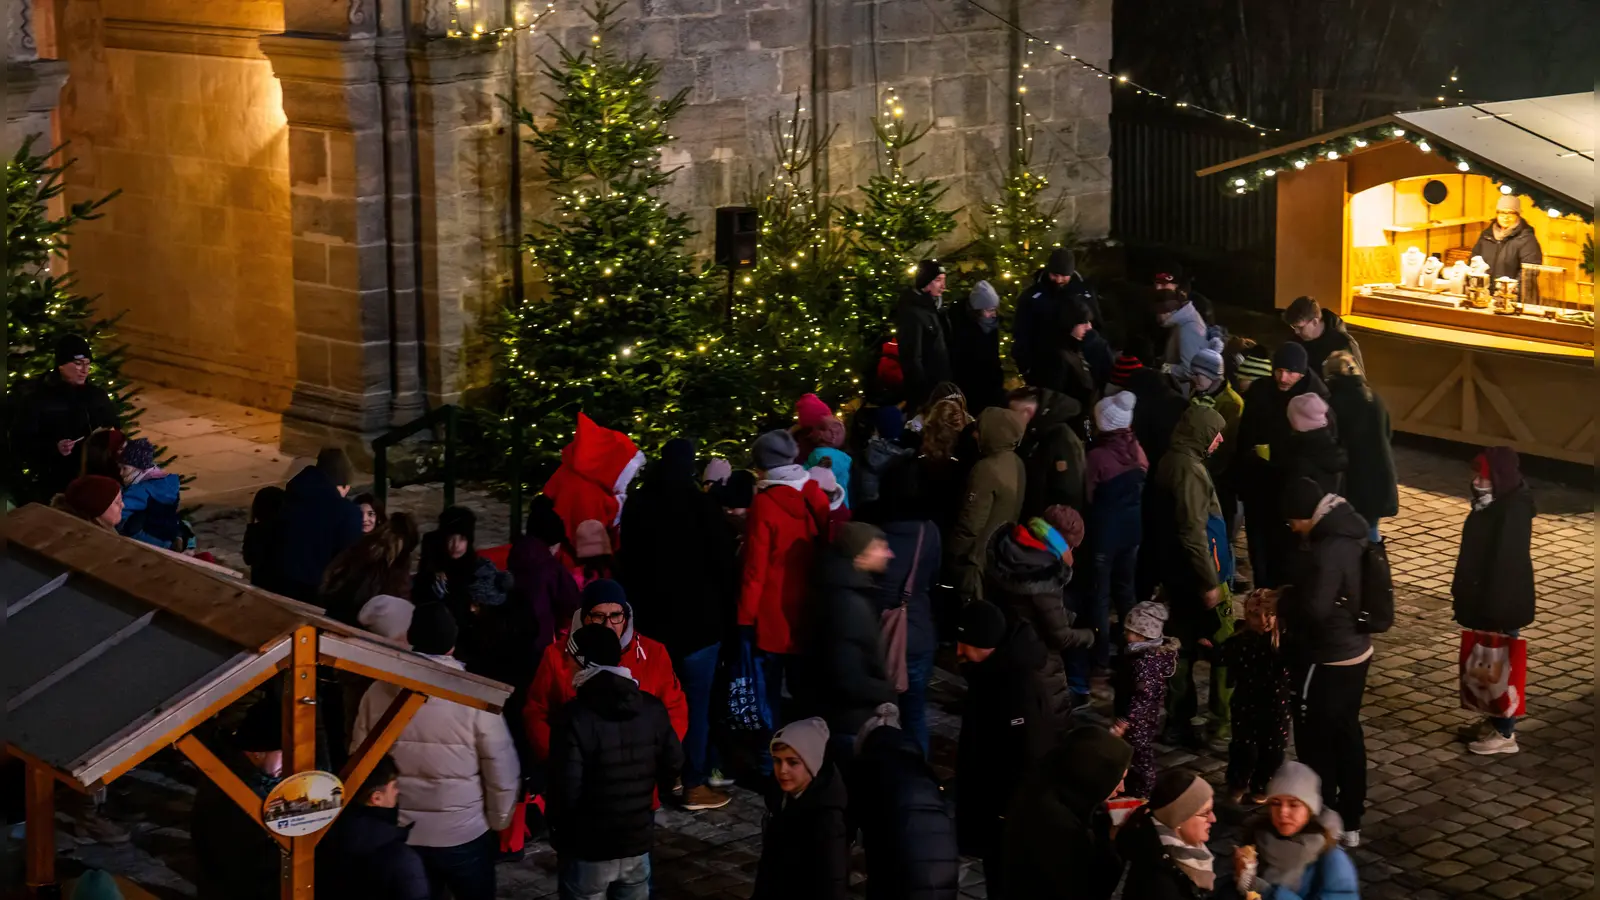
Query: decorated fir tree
899, 222
41, 306
614, 333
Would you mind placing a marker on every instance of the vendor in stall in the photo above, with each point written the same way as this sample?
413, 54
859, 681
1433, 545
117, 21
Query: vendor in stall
1508, 243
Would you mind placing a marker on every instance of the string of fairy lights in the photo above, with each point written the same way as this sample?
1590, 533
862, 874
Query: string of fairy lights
479, 29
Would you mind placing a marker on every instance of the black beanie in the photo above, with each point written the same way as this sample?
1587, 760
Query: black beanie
544, 523
1291, 357
1300, 498
927, 271
597, 646
458, 520
1061, 262
852, 539
604, 590
981, 625
71, 347
433, 629
261, 731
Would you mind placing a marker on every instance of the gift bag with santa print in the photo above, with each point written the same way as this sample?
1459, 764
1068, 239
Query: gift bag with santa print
1494, 673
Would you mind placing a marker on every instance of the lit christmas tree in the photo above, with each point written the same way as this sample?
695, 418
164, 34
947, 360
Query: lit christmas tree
42, 307
897, 225
615, 334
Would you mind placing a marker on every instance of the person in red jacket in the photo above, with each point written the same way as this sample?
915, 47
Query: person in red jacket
592, 481
604, 603
787, 519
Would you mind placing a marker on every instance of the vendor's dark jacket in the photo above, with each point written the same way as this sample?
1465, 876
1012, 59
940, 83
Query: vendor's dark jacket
1506, 255
611, 747
1493, 583
924, 345
1335, 337
1366, 435
365, 855
805, 853
908, 829
47, 411
843, 677
1058, 834
1152, 874
235, 858
1028, 584
1319, 605
1010, 718
975, 360
1053, 456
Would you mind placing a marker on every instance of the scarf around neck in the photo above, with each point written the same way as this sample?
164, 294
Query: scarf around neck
587, 672
1283, 860
1195, 862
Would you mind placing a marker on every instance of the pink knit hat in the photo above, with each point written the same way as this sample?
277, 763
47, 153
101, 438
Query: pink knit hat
811, 412
591, 540
1308, 412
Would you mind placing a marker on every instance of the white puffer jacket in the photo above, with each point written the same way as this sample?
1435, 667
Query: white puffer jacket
459, 774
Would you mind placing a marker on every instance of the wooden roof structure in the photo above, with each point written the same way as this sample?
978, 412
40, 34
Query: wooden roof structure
114, 651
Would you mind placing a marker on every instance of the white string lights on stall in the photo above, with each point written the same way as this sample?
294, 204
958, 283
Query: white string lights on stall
1121, 80
479, 31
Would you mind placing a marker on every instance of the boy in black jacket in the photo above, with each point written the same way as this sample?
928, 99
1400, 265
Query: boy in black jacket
610, 748
365, 852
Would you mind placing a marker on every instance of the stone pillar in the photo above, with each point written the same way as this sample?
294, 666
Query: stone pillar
33, 85
327, 63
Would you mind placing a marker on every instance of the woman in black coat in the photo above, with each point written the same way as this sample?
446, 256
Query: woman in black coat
1365, 434
975, 349
907, 828
805, 852
1312, 449
1058, 833
1493, 585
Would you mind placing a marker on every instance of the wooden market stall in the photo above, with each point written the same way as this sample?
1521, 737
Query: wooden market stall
1379, 222
113, 651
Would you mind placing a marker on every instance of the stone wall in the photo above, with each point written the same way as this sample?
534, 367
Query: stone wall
172, 103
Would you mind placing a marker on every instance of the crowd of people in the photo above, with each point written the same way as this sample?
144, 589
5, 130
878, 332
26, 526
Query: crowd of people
673, 626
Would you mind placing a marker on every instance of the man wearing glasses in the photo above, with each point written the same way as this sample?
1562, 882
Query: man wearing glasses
54, 414
1321, 331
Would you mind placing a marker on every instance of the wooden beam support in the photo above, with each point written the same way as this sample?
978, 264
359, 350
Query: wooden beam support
41, 831
410, 684
377, 743
223, 777
300, 754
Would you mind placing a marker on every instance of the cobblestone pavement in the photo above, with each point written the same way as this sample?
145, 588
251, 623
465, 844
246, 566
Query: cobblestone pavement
1442, 823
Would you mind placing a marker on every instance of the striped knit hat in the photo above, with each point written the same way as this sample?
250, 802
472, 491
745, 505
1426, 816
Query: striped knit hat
1254, 367
1123, 368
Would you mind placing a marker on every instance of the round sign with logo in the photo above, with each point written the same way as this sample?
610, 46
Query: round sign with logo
303, 804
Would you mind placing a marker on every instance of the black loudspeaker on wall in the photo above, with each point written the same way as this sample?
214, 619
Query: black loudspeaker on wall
738, 228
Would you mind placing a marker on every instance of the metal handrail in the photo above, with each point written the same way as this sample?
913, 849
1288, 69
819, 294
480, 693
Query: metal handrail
451, 415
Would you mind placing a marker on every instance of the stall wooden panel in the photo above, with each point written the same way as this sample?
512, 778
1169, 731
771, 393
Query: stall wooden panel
1311, 235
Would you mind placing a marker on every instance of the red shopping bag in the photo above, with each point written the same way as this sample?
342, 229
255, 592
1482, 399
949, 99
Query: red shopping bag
1494, 674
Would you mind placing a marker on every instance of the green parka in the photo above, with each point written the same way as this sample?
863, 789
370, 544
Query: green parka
1053, 456
994, 496
1185, 482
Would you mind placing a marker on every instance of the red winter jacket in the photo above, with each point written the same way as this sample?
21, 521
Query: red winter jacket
783, 529
552, 686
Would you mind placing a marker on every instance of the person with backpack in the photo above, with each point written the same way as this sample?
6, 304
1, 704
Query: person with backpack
1329, 645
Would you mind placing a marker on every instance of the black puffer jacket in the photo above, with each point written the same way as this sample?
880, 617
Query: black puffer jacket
1316, 455
924, 345
365, 855
843, 677
907, 827
1058, 834
1152, 875
1493, 585
1506, 255
1008, 723
1367, 437
1053, 455
805, 853
317, 524
1028, 585
610, 748
1319, 606
678, 562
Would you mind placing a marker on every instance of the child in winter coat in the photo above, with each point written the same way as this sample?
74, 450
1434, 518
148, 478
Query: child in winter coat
1141, 690
805, 850
150, 500
1260, 703
1114, 486
838, 510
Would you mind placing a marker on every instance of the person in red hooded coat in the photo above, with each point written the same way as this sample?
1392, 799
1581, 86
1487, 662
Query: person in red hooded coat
604, 602
593, 478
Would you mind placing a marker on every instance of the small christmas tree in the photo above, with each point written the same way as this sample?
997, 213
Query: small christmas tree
42, 307
615, 332
898, 224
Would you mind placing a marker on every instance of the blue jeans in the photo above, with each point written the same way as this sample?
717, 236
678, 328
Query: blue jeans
772, 667
1508, 725
914, 702
1114, 573
697, 671
465, 871
610, 879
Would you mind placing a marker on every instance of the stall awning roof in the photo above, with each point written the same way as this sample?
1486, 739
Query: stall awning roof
1547, 142
112, 649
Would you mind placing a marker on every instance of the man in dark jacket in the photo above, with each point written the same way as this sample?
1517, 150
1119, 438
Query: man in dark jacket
1058, 833
1493, 587
1027, 579
1038, 313
845, 676
1264, 436
975, 349
1320, 331
53, 416
1007, 724
236, 858
1367, 438
1328, 652
611, 747
907, 828
924, 340
1508, 243
364, 853
1052, 449
679, 565
1156, 414
316, 525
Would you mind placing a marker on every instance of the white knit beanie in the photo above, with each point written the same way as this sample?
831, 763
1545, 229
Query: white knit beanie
1115, 412
1297, 780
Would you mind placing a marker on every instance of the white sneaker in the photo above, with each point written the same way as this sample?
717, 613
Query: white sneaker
1493, 744
1350, 839
719, 780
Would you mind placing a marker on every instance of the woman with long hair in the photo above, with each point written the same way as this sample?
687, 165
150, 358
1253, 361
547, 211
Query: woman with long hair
379, 563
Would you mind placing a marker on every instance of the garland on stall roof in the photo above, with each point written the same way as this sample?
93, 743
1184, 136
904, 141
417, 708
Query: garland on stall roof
1263, 171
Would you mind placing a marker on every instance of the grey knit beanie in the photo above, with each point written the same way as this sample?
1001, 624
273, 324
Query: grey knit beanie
983, 297
1297, 780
